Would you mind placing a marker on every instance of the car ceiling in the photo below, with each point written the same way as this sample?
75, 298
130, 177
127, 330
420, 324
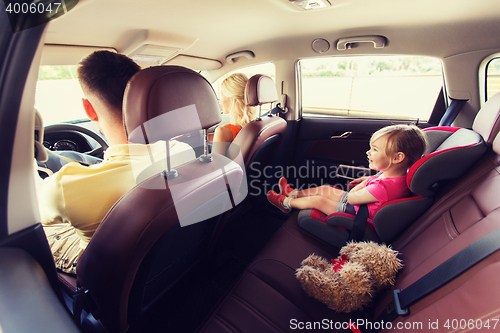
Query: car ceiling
275, 29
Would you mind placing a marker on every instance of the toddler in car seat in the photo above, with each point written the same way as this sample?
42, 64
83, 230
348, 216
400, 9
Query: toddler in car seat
393, 149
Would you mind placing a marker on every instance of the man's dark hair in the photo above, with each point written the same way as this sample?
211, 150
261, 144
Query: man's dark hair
106, 74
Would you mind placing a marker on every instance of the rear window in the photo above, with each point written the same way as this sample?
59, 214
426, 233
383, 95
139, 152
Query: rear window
394, 87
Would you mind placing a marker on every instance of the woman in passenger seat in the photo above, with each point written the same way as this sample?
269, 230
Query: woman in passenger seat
393, 149
233, 103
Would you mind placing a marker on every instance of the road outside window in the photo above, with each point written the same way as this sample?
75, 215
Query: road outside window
393, 87
493, 78
58, 95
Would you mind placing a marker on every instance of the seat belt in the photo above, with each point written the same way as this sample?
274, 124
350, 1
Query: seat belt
359, 226
452, 112
441, 275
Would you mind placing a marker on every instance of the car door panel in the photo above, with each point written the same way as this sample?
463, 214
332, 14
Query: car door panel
333, 150
30, 298
33, 241
350, 148
25, 292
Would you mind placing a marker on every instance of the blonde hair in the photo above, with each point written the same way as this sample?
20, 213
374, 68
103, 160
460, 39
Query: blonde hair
233, 88
407, 139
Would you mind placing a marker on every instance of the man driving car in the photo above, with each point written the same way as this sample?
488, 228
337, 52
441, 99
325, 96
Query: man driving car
74, 201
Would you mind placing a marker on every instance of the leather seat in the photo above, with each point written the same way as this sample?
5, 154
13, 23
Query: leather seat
259, 140
158, 230
269, 298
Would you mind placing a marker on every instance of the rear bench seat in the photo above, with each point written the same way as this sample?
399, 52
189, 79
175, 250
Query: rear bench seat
268, 297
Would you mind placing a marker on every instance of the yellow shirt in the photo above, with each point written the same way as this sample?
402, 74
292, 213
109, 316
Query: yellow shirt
74, 201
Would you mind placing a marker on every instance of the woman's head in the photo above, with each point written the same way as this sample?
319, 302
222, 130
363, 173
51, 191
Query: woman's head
406, 139
233, 99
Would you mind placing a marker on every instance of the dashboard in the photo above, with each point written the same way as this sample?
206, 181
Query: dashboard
67, 140
80, 142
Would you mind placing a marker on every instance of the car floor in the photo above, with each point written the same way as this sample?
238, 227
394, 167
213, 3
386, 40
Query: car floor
185, 307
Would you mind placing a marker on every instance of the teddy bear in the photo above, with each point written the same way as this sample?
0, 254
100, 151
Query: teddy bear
350, 282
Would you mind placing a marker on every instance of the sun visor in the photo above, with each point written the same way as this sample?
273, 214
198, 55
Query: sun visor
195, 63
57, 55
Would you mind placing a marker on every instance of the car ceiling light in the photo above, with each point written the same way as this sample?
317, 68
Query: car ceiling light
310, 4
154, 54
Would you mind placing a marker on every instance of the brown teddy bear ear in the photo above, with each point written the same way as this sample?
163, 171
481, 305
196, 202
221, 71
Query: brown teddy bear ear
380, 260
350, 248
316, 262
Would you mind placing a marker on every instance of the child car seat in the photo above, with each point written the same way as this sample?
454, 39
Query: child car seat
451, 151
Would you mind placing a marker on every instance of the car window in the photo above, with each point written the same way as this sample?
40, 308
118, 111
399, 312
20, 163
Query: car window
266, 69
58, 95
492, 77
394, 87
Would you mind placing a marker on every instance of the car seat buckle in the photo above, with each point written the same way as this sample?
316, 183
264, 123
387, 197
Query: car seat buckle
397, 303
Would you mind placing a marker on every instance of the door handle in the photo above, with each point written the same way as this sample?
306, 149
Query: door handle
345, 135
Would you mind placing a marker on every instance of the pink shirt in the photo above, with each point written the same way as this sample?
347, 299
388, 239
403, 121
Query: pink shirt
385, 189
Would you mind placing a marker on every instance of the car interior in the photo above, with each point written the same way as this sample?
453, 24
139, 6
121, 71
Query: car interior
198, 248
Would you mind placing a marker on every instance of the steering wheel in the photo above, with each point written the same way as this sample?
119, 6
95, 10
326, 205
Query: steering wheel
74, 128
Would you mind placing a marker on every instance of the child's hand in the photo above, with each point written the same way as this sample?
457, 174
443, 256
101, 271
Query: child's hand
357, 181
360, 197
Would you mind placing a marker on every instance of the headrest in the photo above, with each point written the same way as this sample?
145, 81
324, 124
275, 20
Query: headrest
452, 150
255, 136
487, 121
260, 89
168, 101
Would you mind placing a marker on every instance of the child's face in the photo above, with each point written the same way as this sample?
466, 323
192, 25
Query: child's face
377, 158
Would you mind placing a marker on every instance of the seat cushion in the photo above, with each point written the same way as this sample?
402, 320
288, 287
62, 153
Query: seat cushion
268, 297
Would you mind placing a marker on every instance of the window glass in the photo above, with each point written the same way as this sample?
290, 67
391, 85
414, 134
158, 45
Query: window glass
58, 95
492, 78
395, 87
266, 69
